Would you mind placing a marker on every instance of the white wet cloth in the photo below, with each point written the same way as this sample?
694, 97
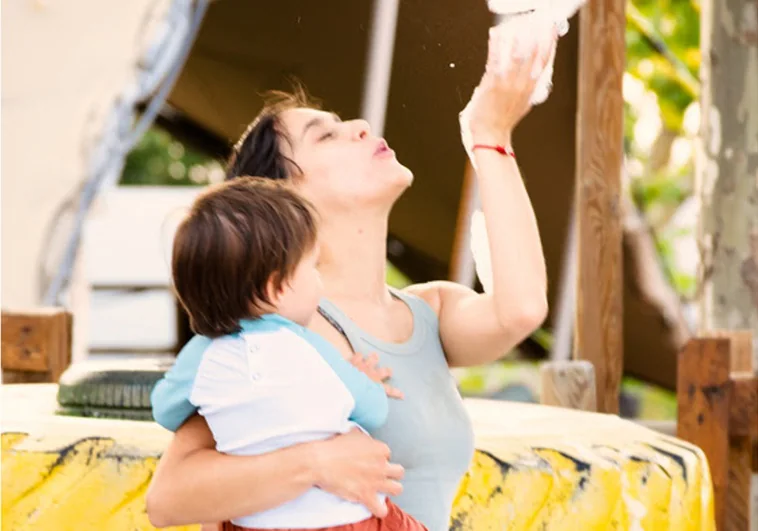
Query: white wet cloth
523, 24
534, 18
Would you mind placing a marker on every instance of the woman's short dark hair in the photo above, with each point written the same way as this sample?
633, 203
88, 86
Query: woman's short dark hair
258, 151
237, 238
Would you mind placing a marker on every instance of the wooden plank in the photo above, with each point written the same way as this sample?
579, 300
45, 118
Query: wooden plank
742, 360
741, 350
36, 345
602, 59
743, 411
703, 409
743, 428
569, 384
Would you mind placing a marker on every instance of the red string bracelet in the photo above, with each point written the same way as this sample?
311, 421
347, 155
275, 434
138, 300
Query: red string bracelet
499, 148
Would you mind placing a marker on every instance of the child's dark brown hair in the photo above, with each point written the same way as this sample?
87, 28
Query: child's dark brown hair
237, 238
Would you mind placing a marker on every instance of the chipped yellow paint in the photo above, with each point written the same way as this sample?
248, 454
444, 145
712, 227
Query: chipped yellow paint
79, 487
10, 440
635, 486
533, 471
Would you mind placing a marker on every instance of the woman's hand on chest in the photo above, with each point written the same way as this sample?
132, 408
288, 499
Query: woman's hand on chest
367, 364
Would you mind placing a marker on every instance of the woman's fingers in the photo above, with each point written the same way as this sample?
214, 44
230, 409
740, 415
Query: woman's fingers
356, 467
392, 488
494, 51
372, 502
394, 471
519, 63
383, 373
546, 51
370, 367
534, 67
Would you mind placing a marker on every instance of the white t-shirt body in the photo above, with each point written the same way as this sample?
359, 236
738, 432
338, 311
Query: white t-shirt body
272, 386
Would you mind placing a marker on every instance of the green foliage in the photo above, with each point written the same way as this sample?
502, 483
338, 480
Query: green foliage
519, 380
160, 160
661, 189
663, 39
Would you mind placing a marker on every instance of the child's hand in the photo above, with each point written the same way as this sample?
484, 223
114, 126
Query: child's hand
370, 367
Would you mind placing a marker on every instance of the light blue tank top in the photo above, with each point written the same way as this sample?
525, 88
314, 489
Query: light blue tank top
428, 432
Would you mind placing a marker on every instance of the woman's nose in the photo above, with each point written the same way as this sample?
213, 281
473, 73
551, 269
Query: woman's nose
360, 129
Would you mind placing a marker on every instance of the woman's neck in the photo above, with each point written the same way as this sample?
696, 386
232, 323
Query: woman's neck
354, 260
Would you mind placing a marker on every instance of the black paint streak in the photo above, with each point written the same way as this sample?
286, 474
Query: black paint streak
638, 459
581, 466
505, 467
678, 459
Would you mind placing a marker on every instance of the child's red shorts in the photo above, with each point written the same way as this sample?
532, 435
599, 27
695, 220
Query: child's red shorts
396, 520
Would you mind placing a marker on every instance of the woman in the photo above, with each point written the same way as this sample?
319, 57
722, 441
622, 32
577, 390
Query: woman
353, 179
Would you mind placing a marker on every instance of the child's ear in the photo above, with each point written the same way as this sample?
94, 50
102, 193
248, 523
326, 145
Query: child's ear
274, 288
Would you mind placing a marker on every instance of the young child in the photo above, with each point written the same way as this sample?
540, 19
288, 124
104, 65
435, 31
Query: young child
245, 269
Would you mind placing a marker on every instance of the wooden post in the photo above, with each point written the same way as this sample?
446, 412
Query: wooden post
702, 390
569, 384
740, 350
743, 426
36, 345
602, 58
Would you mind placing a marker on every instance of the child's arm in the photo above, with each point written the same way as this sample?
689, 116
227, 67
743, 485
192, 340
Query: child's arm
371, 402
170, 396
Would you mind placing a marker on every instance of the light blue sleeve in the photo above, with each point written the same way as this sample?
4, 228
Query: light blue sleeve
170, 396
371, 402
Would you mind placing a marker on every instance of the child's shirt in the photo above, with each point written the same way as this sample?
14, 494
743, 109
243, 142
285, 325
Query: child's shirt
273, 385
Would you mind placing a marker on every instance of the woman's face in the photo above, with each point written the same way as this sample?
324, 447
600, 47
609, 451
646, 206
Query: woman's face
344, 166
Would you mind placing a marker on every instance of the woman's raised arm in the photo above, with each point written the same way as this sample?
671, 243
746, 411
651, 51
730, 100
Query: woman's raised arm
194, 483
480, 328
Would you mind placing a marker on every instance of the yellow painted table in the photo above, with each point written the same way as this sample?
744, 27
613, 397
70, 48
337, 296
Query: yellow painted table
537, 468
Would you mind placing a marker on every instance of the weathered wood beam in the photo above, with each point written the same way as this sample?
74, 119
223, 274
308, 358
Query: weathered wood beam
602, 59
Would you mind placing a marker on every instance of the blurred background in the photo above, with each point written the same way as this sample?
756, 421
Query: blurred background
128, 110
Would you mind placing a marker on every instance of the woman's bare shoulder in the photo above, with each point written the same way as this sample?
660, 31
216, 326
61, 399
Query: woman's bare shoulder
436, 292
429, 292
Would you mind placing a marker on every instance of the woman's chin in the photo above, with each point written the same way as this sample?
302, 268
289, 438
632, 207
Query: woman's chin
404, 176
402, 182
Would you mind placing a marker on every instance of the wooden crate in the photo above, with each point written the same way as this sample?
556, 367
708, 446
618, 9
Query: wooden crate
36, 344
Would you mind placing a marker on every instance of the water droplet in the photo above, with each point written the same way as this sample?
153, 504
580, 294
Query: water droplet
452, 65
